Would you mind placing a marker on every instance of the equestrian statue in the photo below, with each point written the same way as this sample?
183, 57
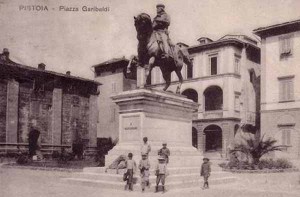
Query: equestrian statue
156, 49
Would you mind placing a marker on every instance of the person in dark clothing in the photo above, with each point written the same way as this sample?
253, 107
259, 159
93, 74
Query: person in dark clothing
164, 152
205, 172
33, 137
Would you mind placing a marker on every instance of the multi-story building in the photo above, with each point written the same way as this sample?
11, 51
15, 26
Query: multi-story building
280, 85
112, 75
63, 107
224, 80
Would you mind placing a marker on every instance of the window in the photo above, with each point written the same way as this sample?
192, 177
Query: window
237, 64
112, 113
237, 101
213, 65
114, 87
286, 137
285, 46
251, 76
286, 89
189, 71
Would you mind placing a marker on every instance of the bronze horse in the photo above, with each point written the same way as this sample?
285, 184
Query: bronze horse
149, 53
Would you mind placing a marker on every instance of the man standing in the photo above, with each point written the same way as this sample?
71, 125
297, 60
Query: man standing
145, 148
164, 152
160, 26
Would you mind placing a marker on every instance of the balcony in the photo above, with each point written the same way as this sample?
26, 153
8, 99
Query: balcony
213, 114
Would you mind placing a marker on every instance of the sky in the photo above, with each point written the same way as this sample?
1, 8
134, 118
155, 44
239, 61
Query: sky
76, 40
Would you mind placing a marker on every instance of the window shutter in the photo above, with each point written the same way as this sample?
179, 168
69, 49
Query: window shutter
281, 90
290, 89
281, 46
283, 137
288, 137
288, 45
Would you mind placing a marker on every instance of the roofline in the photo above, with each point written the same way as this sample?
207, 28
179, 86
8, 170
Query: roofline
112, 61
261, 30
220, 43
49, 72
239, 35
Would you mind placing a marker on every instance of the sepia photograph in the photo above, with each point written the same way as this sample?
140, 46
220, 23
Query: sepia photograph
147, 98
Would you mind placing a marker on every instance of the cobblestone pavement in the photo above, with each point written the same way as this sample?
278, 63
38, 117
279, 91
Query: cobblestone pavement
34, 183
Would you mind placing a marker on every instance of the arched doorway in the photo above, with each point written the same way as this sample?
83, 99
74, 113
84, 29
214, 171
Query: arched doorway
191, 94
213, 97
194, 137
213, 138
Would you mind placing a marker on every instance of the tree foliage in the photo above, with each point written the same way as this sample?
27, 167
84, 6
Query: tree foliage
256, 148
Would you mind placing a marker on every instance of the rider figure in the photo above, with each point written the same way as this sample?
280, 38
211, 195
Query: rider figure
160, 26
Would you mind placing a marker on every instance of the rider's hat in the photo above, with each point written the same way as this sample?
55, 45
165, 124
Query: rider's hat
160, 5
5, 50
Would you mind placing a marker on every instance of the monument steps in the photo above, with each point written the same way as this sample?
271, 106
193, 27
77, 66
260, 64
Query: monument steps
172, 170
177, 178
169, 184
119, 178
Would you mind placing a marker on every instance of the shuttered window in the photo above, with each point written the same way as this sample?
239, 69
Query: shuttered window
237, 60
286, 137
285, 46
286, 89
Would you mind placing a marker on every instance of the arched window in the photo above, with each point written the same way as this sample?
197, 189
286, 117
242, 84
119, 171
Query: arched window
213, 98
213, 138
191, 94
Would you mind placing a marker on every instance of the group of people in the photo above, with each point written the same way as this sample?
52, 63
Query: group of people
144, 167
160, 169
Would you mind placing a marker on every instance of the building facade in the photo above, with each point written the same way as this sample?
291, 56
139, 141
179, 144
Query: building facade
112, 75
224, 80
63, 107
280, 85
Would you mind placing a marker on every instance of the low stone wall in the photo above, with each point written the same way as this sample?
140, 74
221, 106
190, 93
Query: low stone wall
262, 170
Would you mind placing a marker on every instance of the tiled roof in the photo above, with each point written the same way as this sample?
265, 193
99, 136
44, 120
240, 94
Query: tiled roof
294, 23
111, 61
16, 65
221, 42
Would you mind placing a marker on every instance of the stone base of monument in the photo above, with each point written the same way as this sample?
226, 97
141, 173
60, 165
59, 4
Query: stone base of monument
162, 117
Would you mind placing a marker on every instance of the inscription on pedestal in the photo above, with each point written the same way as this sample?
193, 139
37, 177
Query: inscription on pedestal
131, 128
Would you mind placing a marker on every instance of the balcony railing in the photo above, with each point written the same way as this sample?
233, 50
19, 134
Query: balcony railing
213, 114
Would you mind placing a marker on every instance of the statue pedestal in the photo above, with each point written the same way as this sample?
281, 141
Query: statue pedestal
160, 116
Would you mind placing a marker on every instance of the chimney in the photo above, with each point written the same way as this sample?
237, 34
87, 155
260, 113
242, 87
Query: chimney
68, 73
5, 55
42, 66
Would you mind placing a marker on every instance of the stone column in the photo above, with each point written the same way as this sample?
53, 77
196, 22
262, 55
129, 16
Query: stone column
140, 81
56, 116
12, 111
225, 137
93, 118
201, 139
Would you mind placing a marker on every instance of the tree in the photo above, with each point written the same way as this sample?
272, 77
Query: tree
256, 148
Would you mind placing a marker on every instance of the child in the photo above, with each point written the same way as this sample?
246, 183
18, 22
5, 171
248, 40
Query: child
144, 167
145, 148
131, 167
160, 172
164, 152
205, 172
